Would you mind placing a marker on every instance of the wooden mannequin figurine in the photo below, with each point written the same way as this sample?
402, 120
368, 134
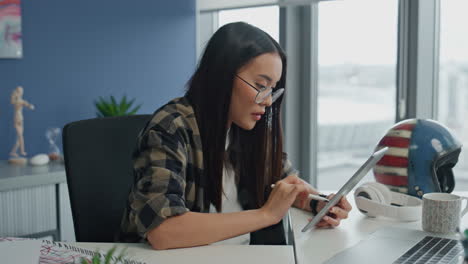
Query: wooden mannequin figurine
18, 104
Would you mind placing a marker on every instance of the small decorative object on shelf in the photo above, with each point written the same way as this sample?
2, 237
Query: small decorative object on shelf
52, 135
18, 103
112, 108
39, 160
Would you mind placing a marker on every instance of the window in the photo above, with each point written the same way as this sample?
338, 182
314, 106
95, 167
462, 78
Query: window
357, 52
265, 18
453, 79
357, 61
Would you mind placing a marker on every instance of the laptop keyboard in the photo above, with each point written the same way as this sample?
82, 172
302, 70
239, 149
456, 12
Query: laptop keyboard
433, 250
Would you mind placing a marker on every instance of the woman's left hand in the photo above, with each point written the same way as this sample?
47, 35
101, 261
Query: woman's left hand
333, 218
336, 214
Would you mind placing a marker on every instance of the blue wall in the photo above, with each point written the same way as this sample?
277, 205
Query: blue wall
75, 51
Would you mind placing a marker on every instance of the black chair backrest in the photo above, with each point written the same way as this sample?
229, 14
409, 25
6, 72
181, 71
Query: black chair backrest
99, 172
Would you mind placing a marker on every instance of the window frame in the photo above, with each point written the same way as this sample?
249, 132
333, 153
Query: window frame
418, 59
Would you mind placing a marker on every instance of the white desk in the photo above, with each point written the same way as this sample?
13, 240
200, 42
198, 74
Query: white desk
318, 245
315, 246
225, 254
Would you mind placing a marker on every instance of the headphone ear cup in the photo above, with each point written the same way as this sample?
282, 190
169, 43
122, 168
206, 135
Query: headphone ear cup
368, 192
384, 192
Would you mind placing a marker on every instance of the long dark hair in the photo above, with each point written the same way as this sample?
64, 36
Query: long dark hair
257, 159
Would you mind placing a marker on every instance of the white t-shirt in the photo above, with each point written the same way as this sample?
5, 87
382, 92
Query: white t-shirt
230, 203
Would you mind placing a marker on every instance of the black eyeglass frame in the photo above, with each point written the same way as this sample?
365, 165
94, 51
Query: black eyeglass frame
274, 95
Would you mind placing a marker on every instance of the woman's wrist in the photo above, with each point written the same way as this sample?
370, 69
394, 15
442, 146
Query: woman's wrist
314, 203
266, 216
313, 206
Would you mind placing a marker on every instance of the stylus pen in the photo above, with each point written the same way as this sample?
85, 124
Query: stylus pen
311, 196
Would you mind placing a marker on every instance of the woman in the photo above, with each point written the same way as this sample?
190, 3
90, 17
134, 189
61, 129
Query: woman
205, 163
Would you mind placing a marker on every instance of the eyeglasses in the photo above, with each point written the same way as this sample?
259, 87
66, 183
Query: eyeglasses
264, 92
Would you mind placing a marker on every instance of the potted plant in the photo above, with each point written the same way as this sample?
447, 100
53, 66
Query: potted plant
110, 107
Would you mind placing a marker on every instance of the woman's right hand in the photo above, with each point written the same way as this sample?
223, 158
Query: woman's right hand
281, 199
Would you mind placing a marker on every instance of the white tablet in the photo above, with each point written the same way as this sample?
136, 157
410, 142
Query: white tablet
349, 185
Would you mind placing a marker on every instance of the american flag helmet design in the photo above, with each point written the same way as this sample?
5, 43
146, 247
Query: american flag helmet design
421, 155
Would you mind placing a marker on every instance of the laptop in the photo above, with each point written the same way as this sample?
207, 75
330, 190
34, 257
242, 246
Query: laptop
399, 245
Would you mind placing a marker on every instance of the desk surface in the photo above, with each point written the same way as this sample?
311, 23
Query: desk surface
318, 245
23, 176
226, 254
314, 246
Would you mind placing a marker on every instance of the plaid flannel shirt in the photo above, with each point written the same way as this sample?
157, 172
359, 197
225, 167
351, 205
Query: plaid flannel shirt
168, 166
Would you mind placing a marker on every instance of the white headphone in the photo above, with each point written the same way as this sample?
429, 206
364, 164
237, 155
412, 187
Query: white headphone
375, 199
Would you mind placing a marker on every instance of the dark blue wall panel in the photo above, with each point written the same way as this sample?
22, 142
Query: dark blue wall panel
75, 51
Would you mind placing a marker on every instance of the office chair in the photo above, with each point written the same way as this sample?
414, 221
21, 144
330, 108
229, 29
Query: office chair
99, 172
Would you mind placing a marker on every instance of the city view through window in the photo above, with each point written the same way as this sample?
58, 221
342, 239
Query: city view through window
357, 52
357, 64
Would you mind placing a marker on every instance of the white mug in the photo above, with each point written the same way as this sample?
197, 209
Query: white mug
441, 212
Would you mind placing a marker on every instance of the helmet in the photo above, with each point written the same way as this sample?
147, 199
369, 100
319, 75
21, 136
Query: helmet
421, 155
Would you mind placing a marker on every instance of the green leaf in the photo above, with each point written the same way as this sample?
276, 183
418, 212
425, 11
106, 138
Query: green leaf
123, 102
126, 106
96, 259
109, 255
113, 100
104, 107
101, 108
135, 110
113, 106
121, 255
131, 102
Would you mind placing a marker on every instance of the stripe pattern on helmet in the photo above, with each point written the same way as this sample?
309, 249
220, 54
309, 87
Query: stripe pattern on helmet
392, 169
